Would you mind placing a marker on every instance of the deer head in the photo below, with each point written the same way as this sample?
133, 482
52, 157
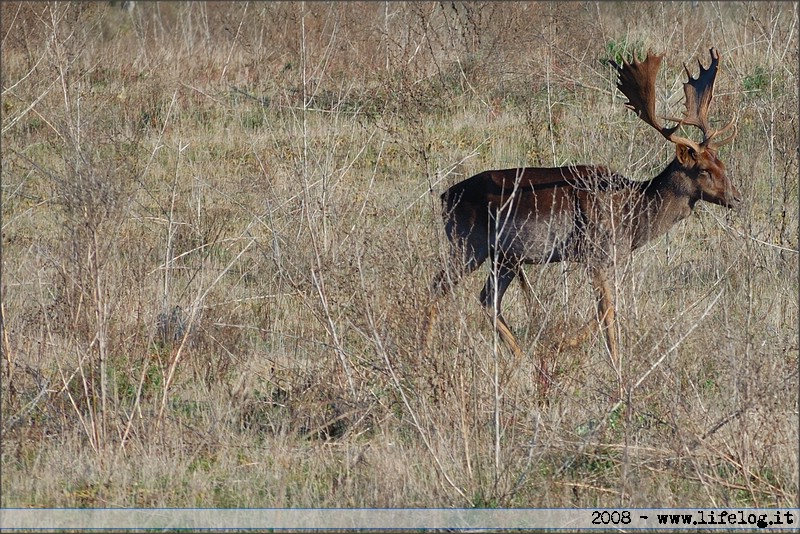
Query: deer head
698, 161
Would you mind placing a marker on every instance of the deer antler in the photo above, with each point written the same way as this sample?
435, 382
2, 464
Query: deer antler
637, 82
699, 92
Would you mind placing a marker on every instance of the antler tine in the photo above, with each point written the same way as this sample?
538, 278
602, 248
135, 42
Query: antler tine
637, 81
731, 124
699, 92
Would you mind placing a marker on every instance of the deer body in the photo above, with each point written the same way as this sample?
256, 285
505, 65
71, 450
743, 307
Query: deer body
582, 213
559, 219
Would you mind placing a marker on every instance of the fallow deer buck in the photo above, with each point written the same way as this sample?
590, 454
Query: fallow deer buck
583, 213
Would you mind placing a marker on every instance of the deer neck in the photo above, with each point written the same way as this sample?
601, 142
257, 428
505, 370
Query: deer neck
668, 199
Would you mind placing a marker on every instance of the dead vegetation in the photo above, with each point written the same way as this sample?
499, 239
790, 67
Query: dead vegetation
220, 221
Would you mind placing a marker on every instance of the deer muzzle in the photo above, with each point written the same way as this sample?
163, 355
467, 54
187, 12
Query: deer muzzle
733, 198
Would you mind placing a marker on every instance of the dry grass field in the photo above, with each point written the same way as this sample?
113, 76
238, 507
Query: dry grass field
220, 221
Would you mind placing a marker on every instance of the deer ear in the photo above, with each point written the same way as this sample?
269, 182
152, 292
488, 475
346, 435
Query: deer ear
685, 154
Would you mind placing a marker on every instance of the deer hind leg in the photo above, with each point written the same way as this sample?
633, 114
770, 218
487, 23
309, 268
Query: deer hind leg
527, 290
545, 366
445, 280
440, 285
493, 291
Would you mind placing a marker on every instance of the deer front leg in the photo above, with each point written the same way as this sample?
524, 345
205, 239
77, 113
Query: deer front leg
607, 317
578, 338
605, 310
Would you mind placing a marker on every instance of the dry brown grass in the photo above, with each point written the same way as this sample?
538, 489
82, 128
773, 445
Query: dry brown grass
273, 169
